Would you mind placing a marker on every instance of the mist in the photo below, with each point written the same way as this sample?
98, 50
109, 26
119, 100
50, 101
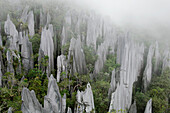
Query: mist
146, 18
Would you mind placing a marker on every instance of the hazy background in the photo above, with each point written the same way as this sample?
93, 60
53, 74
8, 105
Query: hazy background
145, 18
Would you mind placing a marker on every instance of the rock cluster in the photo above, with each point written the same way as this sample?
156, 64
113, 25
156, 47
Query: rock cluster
130, 57
53, 102
76, 54
85, 101
28, 18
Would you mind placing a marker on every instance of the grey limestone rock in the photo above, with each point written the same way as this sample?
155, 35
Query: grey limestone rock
26, 52
10, 110
12, 33
133, 108
66, 30
85, 100
130, 57
61, 66
30, 104
47, 47
25, 14
157, 57
148, 69
30, 21
148, 108
113, 83
53, 99
53, 103
166, 60
75, 50
103, 51
64, 103
69, 110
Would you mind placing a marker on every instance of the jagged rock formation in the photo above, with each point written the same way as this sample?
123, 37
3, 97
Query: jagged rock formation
166, 60
12, 34
94, 30
45, 18
47, 48
26, 52
30, 104
104, 49
130, 57
29, 19
69, 110
133, 108
157, 58
10, 110
64, 103
53, 100
148, 108
9, 62
80, 29
75, 50
66, 30
61, 66
31, 23
53, 103
113, 83
85, 100
24, 14
148, 69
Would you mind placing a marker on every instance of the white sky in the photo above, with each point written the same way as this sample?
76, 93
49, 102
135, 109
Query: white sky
149, 15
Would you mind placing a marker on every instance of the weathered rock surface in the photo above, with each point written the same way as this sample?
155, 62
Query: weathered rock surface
69, 110
130, 57
103, 50
47, 47
66, 30
53, 99
166, 60
25, 14
148, 108
10, 110
133, 108
9, 62
75, 50
45, 18
148, 69
64, 103
53, 103
26, 52
12, 34
30, 104
30, 20
61, 66
85, 100
94, 29
157, 58
113, 83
